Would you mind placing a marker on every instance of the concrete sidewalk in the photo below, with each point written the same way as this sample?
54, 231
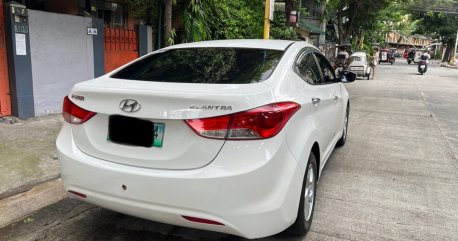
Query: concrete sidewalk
27, 153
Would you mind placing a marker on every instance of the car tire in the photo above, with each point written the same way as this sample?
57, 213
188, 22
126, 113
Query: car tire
343, 138
307, 201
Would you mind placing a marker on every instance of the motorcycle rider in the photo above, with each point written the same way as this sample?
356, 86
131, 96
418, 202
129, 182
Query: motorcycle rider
425, 56
423, 62
411, 55
342, 58
343, 51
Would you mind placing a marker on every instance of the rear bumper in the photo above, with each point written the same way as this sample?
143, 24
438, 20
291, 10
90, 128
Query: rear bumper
252, 188
359, 72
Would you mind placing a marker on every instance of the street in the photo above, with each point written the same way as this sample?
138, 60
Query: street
395, 179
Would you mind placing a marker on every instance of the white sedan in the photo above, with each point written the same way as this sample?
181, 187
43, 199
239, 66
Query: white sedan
229, 136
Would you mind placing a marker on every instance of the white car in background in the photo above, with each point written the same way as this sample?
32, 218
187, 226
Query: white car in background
360, 65
229, 136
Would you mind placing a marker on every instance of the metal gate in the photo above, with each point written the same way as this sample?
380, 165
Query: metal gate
121, 47
5, 100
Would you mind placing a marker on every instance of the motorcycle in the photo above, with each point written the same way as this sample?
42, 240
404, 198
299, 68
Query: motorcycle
391, 58
422, 66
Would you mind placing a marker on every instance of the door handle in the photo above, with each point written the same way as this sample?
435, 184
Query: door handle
336, 97
316, 100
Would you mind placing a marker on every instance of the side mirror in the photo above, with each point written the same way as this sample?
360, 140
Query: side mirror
347, 77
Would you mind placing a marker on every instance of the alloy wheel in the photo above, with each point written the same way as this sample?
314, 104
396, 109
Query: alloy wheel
309, 194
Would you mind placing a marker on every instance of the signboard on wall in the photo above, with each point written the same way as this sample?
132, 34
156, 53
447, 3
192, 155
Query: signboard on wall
91, 31
20, 41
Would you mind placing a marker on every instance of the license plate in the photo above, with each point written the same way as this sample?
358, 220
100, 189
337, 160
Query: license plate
357, 68
423, 66
135, 132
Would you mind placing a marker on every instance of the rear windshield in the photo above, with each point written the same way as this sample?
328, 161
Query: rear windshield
204, 65
355, 58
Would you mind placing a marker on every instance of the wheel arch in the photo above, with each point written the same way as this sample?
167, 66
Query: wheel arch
316, 152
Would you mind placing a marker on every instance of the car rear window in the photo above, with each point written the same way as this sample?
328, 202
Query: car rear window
355, 58
204, 65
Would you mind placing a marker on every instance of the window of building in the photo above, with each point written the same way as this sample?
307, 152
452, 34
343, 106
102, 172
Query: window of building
113, 14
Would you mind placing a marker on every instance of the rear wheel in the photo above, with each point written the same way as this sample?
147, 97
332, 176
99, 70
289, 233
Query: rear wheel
307, 201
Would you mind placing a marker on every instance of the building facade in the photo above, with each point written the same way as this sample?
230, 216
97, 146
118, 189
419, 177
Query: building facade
47, 46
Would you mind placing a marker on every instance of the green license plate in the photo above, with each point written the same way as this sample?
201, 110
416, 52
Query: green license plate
158, 134
135, 132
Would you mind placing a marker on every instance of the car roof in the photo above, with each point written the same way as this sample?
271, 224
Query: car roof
359, 54
238, 43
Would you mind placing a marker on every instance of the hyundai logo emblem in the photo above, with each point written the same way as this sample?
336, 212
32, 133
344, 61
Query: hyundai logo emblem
129, 105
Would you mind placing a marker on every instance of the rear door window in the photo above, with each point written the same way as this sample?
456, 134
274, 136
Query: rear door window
204, 65
326, 69
308, 69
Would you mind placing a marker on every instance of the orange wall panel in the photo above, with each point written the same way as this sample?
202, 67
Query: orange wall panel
114, 60
5, 100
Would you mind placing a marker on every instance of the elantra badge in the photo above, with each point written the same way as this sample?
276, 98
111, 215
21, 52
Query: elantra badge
210, 107
129, 105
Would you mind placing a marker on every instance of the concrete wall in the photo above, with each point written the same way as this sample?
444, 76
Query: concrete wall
62, 55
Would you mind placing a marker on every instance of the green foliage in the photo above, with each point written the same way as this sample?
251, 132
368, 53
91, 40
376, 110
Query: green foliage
279, 28
235, 19
171, 39
392, 17
195, 23
358, 20
438, 25
217, 19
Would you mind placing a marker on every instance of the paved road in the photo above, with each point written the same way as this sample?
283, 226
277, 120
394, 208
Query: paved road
396, 179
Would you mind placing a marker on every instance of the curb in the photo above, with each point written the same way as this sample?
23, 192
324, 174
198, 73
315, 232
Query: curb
23, 204
26, 187
449, 66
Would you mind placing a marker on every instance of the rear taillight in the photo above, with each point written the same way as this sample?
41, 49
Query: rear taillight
74, 114
260, 123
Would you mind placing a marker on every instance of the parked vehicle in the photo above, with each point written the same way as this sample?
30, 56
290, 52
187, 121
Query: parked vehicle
383, 56
359, 65
182, 137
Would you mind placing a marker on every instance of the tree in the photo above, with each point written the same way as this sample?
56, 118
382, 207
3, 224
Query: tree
279, 28
441, 26
212, 19
235, 19
167, 20
437, 18
195, 22
355, 17
146, 10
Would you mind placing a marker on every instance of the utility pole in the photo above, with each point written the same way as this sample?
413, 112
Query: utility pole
267, 19
456, 45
